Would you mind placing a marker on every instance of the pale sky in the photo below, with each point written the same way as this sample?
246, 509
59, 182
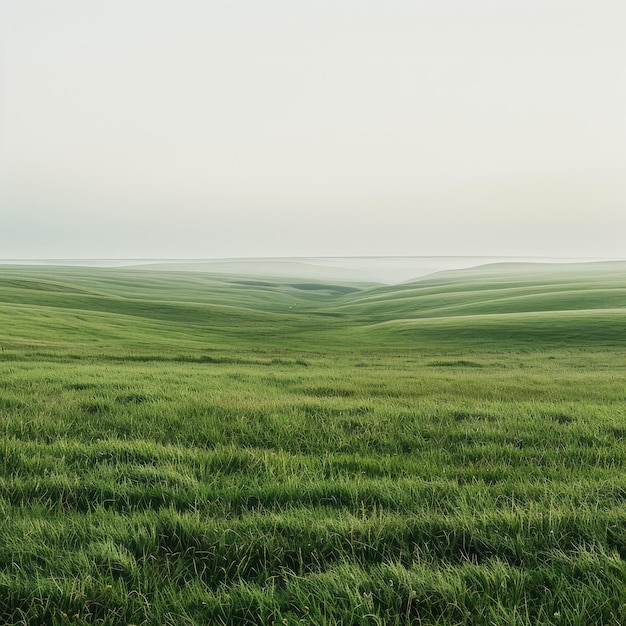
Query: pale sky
229, 128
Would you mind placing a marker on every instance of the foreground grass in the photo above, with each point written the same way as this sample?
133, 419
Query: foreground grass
306, 469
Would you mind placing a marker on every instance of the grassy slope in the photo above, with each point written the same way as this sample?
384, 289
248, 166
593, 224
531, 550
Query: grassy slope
561, 305
185, 449
500, 288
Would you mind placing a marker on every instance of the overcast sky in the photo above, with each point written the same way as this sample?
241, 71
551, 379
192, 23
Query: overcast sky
221, 128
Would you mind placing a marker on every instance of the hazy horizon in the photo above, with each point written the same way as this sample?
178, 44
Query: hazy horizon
363, 269
211, 130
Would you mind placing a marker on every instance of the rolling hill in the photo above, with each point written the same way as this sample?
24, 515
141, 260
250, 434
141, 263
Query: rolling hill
512, 304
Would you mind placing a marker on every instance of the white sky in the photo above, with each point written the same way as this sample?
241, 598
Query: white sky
212, 128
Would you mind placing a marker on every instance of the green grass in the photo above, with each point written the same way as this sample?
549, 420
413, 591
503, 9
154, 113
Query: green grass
190, 448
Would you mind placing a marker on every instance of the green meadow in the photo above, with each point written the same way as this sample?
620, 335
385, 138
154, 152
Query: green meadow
185, 447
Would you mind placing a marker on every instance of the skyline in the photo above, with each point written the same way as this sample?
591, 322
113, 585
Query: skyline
228, 130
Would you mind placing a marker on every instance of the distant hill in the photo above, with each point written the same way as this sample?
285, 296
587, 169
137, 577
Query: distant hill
166, 310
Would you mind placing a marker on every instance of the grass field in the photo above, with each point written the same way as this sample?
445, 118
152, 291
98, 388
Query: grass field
182, 447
